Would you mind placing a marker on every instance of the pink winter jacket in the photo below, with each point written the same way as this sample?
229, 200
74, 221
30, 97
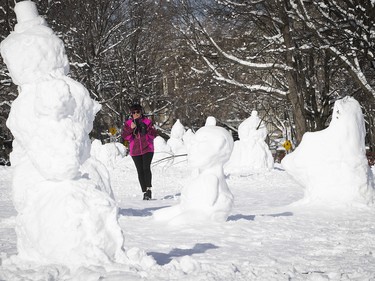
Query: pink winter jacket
139, 144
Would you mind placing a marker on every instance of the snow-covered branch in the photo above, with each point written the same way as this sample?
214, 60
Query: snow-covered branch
252, 65
349, 59
249, 87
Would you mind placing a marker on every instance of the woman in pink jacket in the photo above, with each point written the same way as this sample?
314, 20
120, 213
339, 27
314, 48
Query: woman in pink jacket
140, 133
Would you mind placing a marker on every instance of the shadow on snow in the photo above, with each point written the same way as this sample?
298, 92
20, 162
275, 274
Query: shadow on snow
199, 248
138, 212
252, 217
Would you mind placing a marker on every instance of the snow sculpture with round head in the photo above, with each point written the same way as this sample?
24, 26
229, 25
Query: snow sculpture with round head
210, 121
251, 153
331, 164
65, 211
207, 196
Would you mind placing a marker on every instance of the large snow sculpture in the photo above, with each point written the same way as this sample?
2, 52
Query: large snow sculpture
207, 196
250, 153
331, 164
65, 211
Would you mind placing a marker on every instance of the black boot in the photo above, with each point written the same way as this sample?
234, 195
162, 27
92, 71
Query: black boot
145, 197
148, 193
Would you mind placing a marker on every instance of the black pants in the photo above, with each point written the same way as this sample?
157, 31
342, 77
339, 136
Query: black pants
143, 165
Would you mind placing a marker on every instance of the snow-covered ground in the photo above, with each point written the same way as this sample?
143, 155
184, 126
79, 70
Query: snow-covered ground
67, 226
264, 238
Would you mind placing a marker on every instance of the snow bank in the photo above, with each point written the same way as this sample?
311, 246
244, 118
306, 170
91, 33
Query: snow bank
331, 164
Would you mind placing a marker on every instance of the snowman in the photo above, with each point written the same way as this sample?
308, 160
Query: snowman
251, 153
176, 142
66, 214
331, 164
207, 196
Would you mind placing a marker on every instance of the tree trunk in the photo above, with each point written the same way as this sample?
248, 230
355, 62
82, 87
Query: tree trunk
294, 95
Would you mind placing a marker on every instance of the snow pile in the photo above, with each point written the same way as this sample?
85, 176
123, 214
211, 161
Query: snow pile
65, 211
331, 164
250, 154
207, 196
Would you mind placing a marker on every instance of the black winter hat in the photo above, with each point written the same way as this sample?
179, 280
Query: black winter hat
136, 106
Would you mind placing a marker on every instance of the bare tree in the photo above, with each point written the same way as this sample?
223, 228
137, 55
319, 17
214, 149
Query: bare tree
284, 54
188, 59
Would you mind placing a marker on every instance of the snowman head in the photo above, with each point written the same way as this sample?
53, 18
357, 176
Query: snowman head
210, 146
26, 11
33, 52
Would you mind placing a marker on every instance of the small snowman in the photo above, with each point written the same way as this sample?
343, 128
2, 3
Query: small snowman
207, 196
163, 153
251, 153
176, 142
